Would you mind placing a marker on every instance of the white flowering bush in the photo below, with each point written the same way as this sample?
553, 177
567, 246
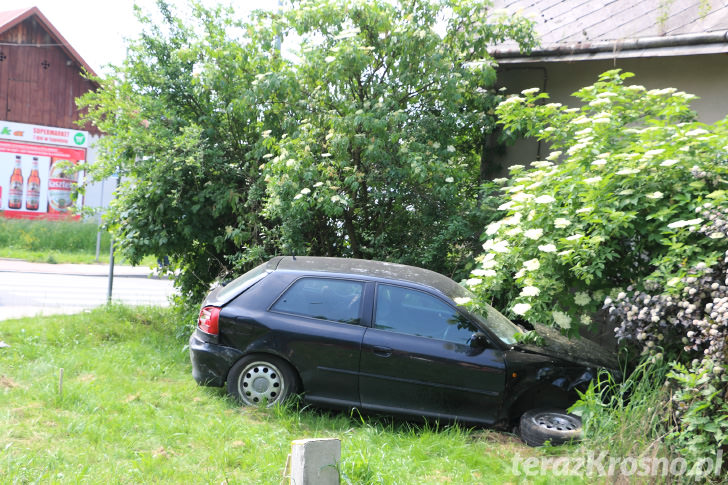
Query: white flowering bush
619, 202
629, 213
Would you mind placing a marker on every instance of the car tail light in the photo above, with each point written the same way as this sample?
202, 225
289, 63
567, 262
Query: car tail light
208, 320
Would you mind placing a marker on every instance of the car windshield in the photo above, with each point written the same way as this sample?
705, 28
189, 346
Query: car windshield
503, 328
494, 321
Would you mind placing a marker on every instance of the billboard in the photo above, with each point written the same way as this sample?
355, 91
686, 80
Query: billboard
36, 180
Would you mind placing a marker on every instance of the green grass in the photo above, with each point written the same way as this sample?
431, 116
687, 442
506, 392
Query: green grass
40, 235
632, 412
55, 242
130, 412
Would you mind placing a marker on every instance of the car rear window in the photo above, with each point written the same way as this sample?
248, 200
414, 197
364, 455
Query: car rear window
242, 283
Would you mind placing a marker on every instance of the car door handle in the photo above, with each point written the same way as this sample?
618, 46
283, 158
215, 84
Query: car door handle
382, 351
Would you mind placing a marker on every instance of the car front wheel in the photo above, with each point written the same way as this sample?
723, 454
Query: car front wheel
258, 379
556, 426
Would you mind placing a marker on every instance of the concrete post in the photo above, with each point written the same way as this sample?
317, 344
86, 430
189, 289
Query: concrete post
315, 461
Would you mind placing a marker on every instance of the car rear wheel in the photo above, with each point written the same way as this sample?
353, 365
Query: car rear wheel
540, 425
261, 379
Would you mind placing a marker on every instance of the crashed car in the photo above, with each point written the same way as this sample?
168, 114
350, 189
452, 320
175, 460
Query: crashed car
386, 338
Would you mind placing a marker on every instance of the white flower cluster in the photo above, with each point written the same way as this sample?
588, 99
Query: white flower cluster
512, 100
684, 223
561, 319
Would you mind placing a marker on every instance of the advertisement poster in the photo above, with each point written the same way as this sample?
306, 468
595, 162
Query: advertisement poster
36, 180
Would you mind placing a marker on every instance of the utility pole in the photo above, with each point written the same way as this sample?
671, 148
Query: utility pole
279, 39
98, 231
111, 256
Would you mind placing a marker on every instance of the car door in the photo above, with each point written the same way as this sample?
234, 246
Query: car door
318, 321
417, 359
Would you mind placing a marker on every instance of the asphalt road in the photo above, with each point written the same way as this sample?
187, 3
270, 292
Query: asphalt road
29, 289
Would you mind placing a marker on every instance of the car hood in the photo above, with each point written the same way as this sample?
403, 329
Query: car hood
580, 351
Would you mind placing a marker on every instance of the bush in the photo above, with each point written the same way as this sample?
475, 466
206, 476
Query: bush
684, 325
621, 208
699, 410
636, 211
370, 145
691, 321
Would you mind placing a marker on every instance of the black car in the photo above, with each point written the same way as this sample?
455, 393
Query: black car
385, 338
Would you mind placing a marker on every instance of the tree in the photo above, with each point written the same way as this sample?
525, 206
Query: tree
382, 164
363, 147
185, 119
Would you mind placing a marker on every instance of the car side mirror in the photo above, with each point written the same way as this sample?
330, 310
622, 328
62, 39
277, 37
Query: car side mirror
478, 340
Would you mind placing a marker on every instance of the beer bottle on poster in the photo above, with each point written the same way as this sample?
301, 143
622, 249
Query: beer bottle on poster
60, 185
15, 191
32, 196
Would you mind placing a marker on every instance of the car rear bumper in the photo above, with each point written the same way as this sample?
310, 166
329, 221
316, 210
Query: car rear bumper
211, 362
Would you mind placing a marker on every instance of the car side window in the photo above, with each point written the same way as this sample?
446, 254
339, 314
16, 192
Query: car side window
414, 312
324, 298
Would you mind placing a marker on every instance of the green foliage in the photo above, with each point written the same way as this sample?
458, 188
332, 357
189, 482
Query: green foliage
619, 209
625, 417
699, 410
184, 118
382, 164
659, 412
635, 209
529, 337
369, 144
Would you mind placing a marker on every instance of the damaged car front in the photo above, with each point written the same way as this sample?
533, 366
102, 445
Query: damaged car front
544, 380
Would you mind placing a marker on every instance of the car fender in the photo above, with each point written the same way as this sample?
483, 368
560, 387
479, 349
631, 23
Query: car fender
537, 381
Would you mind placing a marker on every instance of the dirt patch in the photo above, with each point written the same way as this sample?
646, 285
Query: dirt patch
162, 453
497, 437
7, 383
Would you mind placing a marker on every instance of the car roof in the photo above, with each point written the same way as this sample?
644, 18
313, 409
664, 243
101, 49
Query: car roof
364, 267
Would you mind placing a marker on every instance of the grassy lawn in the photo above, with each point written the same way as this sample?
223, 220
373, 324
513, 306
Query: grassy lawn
130, 412
42, 241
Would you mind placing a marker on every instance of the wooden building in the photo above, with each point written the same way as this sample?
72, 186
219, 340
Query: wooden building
41, 75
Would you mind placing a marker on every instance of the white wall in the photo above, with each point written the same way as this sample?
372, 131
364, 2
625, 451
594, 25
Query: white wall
98, 194
702, 75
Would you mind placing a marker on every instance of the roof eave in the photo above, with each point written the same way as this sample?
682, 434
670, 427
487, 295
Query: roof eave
692, 44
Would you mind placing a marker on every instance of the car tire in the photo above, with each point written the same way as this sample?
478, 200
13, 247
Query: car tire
257, 378
538, 426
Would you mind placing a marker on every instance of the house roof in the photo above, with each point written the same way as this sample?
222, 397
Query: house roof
593, 29
10, 19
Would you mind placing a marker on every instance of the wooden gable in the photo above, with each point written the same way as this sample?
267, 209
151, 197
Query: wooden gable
41, 75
